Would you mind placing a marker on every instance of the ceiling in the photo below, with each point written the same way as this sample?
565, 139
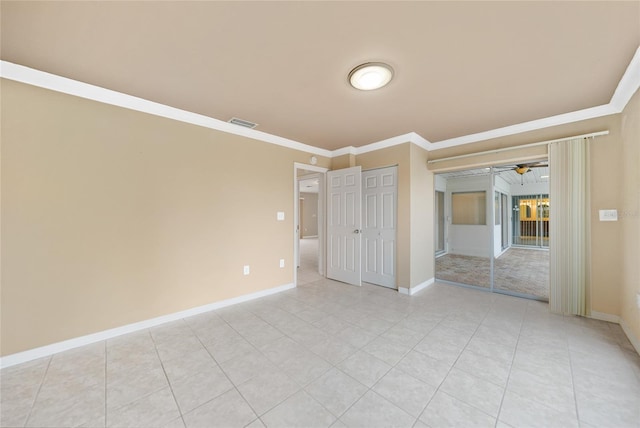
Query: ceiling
460, 67
310, 186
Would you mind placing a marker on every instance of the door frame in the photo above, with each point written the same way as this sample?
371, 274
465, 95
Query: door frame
321, 217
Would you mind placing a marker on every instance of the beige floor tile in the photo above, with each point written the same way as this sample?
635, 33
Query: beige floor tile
374, 411
387, 350
267, 390
196, 390
327, 339
443, 344
228, 349
229, 410
282, 350
333, 350
18, 388
425, 368
175, 423
474, 391
336, 391
305, 368
249, 365
518, 411
188, 365
299, 410
446, 411
365, 368
406, 392
125, 386
156, 409
68, 403
556, 394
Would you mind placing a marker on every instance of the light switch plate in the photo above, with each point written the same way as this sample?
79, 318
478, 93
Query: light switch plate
280, 216
608, 215
281, 263
246, 270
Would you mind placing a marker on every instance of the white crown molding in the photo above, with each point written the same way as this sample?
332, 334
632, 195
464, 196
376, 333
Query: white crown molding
76, 342
45, 80
561, 119
627, 86
349, 150
411, 137
389, 142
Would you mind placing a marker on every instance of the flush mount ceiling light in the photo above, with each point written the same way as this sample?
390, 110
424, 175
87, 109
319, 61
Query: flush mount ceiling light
370, 76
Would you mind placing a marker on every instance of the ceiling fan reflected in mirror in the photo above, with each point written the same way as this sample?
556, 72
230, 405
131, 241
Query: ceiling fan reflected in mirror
523, 168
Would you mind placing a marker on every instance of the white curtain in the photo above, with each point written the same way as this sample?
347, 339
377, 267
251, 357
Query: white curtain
569, 226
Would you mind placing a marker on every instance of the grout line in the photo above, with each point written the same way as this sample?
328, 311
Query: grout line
515, 351
223, 371
106, 358
155, 346
454, 363
35, 398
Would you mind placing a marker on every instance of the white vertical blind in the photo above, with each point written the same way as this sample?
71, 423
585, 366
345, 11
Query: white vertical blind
569, 226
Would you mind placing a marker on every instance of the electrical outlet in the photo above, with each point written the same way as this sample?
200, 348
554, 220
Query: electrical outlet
246, 270
281, 263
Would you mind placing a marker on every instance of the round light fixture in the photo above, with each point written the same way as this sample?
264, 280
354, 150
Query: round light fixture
370, 76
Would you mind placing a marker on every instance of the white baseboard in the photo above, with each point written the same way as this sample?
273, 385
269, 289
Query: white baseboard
54, 348
616, 319
635, 342
605, 317
413, 290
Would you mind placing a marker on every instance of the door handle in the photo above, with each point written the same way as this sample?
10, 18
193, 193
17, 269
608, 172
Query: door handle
357, 231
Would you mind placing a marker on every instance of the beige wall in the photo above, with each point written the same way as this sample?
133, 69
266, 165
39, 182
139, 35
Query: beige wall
422, 218
415, 254
344, 161
630, 215
111, 216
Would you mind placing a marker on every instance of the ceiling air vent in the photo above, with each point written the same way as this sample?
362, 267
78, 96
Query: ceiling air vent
242, 122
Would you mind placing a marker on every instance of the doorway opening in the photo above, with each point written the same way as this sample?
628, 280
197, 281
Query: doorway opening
483, 229
309, 223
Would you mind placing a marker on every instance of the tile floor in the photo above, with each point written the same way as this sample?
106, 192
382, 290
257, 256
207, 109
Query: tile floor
328, 354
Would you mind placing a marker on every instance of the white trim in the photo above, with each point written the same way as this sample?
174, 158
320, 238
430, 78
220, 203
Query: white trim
628, 85
618, 320
522, 146
605, 317
54, 348
413, 290
411, 137
313, 168
635, 342
349, 150
561, 119
53, 82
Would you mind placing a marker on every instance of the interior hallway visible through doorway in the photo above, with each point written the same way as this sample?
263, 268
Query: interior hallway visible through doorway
308, 269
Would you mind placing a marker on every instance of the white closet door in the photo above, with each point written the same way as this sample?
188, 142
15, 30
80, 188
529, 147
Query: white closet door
343, 225
379, 226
